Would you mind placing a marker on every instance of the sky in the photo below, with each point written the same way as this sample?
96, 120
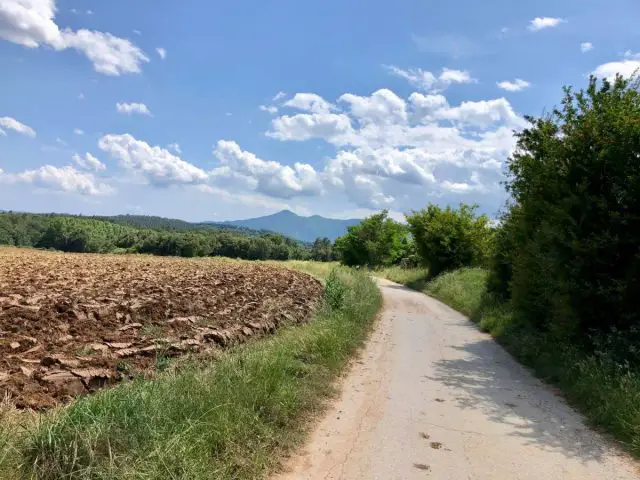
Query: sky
207, 110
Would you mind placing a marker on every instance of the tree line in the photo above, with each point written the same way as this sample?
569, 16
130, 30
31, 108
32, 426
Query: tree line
565, 253
91, 235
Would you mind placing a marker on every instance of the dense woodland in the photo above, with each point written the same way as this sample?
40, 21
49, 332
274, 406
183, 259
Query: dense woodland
152, 235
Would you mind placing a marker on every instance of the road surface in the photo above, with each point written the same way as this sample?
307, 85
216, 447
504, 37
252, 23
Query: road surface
433, 397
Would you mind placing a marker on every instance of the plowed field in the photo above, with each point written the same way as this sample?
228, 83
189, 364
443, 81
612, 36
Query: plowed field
74, 323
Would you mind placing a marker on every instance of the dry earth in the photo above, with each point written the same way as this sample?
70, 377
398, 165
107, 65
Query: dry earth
74, 323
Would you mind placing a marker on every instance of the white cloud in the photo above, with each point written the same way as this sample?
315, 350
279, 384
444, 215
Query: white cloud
88, 162
389, 147
31, 23
78, 131
175, 147
65, 179
309, 102
540, 23
515, 86
483, 114
3, 133
279, 96
154, 164
137, 32
229, 114
586, 46
630, 54
626, 68
89, 12
269, 108
161, 52
13, 124
264, 176
427, 81
381, 108
131, 108
59, 141
331, 126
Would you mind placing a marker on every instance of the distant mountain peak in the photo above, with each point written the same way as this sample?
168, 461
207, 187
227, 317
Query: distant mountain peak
293, 225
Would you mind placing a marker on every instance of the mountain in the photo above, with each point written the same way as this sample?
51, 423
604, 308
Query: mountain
288, 223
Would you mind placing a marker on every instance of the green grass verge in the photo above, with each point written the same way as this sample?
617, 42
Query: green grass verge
607, 392
232, 418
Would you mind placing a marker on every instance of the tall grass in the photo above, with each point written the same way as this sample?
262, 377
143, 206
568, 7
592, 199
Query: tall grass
607, 392
229, 419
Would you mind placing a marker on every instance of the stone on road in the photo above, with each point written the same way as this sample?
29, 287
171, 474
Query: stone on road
433, 397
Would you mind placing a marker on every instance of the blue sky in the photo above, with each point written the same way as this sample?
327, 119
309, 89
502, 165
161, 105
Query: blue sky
224, 110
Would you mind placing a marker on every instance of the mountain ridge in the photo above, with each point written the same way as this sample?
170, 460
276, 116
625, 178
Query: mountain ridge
293, 225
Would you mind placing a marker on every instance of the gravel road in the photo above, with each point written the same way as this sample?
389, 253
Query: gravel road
433, 397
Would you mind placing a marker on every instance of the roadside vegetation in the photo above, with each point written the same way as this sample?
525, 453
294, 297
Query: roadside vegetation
230, 418
557, 280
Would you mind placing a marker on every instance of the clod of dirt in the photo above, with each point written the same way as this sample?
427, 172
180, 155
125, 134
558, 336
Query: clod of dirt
422, 466
436, 445
439, 400
81, 313
424, 435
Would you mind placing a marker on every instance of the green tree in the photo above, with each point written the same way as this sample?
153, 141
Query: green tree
569, 254
322, 250
447, 239
376, 241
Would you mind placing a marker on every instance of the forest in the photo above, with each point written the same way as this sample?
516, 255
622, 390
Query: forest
151, 235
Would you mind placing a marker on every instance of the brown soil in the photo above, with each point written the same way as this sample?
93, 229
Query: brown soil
74, 323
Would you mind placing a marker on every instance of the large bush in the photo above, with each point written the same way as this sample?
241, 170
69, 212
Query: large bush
569, 254
447, 239
376, 241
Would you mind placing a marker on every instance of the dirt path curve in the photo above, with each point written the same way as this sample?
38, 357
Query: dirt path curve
433, 397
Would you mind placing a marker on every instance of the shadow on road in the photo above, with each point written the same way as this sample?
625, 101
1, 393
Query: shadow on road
486, 378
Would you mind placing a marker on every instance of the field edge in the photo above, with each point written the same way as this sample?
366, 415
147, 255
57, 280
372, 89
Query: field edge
234, 418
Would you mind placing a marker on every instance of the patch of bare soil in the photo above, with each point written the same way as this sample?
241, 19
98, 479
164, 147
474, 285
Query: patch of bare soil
75, 323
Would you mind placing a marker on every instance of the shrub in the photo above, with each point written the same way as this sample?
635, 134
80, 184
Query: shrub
447, 239
569, 254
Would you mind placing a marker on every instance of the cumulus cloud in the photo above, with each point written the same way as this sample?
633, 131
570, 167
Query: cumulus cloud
13, 124
269, 109
264, 176
88, 162
626, 68
586, 47
309, 102
156, 165
131, 108
540, 23
515, 86
388, 146
31, 23
65, 179
304, 126
161, 52
427, 81
175, 147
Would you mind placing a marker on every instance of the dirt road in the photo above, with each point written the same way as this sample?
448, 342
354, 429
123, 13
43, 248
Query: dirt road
433, 397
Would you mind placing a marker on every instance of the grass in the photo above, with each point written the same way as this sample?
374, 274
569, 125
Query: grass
608, 393
232, 418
